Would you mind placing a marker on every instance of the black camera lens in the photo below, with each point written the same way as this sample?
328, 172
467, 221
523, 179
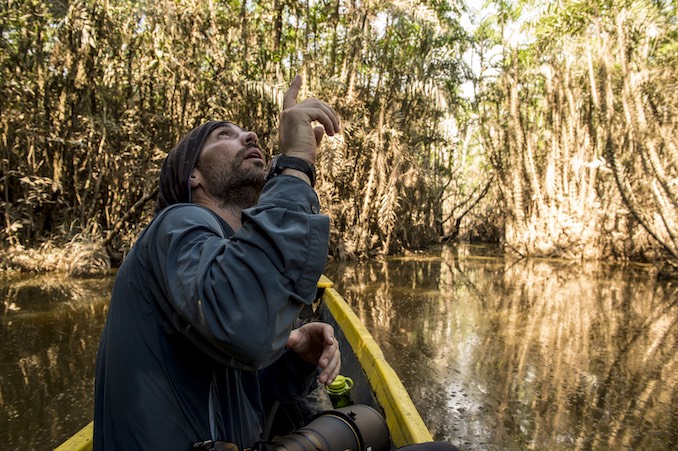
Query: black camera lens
356, 428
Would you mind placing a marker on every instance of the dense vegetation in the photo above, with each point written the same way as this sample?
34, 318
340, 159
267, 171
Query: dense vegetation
567, 146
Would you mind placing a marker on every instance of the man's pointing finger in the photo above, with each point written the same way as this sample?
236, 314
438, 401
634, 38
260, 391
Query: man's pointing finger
290, 98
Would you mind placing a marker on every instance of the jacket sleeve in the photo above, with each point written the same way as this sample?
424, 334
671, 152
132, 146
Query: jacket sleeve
238, 298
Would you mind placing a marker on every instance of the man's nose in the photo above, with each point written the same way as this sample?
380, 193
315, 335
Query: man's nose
250, 138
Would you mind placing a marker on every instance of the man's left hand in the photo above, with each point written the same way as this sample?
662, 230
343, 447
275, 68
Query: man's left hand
315, 343
298, 137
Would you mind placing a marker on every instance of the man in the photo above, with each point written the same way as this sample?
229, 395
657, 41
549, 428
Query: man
200, 340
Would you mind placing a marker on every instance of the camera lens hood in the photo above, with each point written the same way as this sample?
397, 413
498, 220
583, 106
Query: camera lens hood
357, 427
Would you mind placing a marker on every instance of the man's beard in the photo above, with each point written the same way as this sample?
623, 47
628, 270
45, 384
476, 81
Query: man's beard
235, 184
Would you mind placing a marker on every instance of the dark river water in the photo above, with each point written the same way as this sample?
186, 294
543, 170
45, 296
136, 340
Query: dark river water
495, 353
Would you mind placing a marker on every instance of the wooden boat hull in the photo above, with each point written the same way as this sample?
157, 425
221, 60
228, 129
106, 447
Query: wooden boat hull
375, 383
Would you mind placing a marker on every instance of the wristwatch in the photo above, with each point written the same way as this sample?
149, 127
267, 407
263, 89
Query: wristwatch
280, 162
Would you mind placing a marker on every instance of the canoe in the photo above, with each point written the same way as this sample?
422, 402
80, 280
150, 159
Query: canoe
375, 383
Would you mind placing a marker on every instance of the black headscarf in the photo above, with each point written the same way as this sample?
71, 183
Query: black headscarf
177, 168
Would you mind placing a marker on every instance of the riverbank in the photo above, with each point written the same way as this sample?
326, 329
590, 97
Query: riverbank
81, 257
86, 257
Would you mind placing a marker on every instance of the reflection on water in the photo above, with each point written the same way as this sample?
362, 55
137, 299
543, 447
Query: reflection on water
537, 354
496, 354
49, 332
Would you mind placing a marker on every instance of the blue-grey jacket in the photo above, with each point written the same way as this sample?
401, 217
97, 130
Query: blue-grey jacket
193, 347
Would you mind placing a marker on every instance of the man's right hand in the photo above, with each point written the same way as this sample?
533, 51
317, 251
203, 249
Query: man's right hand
298, 137
315, 343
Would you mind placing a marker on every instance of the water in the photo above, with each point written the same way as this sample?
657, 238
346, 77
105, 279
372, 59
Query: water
537, 354
49, 332
496, 354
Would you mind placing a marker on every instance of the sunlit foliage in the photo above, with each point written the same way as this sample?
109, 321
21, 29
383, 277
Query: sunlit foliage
580, 119
566, 147
94, 93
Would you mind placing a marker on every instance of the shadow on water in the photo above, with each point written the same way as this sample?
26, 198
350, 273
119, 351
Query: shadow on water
530, 354
49, 332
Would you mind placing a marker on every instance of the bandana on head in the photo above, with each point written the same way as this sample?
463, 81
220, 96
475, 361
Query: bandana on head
177, 168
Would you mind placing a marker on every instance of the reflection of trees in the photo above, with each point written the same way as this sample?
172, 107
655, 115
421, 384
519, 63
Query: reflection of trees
401, 304
575, 359
526, 354
49, 338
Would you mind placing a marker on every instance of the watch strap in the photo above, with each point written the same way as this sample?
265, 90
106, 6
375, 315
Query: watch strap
280, 162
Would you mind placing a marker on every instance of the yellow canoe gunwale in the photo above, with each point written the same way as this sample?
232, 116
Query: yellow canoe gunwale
80, 441
403, 419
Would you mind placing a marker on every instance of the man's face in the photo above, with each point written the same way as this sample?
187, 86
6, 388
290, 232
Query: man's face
232, 165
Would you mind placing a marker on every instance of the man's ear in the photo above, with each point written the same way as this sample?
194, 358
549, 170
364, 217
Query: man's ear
195, 179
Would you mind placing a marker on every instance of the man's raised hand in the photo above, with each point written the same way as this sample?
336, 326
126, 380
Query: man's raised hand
298, 137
